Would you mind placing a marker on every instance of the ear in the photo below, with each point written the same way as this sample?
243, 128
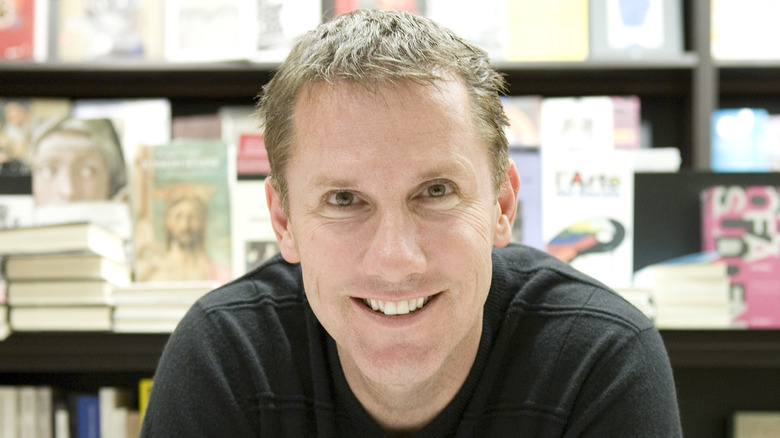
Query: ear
507, 206
281, 224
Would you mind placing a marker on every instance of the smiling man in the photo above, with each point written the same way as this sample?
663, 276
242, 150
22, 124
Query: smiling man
397, 306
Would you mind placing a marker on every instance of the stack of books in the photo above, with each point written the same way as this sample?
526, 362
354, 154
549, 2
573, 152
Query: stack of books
62, 277
156, 307
693, 292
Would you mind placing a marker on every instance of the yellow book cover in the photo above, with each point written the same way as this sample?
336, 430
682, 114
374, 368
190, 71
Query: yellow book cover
552, 30
144, 389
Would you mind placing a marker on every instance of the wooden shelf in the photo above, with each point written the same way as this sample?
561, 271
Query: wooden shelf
108, 352
80, 352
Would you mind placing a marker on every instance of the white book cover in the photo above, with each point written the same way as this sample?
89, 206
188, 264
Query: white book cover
577, 123
209, 30
279, 25
254, 240
588, 212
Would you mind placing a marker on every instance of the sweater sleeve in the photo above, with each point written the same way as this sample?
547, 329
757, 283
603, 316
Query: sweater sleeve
629, 393
191, 393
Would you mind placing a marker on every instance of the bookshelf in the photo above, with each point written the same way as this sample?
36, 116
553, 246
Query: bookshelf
717, 372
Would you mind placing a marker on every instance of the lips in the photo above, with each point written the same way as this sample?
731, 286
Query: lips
392, 308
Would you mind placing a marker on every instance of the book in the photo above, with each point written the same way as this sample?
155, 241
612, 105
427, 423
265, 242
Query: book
9, 410
70, 238
484, 24
182, 212
199, 31
144, 390
527, 228
569, 123
692, 291
154, 293
280, 23
635, 30
20, 118
741, 223
524, 115
16, 210
254, 240
24, 30
5, 327
739, 32
93, 31
552, 30
60, 292
61, 318
755, 424
110, 400
588, 211
737, 140
87, 416
66, 267
196, 126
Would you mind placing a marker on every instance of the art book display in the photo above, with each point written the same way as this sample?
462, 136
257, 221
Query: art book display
742, 224
182, 212
588, 211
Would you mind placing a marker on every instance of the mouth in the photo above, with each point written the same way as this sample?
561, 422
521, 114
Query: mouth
392, 308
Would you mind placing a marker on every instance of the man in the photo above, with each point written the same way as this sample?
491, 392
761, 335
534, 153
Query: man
398, 307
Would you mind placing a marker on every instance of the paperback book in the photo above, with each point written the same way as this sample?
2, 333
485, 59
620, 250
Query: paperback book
182, 212
742, 224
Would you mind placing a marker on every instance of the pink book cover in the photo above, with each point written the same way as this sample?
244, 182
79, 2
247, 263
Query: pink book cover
742, 224
17, 29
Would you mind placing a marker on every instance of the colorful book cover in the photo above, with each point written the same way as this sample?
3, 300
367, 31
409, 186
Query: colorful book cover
181, 205
87, 416
742, 224
588, 211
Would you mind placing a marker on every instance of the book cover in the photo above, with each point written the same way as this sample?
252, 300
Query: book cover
552, 30
588, 212
66, 267
742, 224
643, 29
569, 123
739, 32
280, 23
209, 30
182, 212
21, 118
484, 24
254, 240
24, 30
524, 115
89, 30
527, 228
738, 140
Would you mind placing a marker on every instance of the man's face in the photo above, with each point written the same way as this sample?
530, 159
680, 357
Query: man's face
68, 168
184, 222
392, 210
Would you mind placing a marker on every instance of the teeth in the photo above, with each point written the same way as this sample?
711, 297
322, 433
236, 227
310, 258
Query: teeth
396, 308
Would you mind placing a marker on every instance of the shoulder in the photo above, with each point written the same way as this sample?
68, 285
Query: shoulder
533, 282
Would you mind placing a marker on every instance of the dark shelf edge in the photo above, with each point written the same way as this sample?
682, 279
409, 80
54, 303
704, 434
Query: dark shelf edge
101, 352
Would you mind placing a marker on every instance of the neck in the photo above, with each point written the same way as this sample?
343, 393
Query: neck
408, 404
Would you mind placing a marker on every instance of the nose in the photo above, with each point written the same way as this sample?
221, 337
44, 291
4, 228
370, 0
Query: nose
394, 252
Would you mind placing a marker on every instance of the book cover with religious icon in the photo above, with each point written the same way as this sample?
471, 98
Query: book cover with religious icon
181, 205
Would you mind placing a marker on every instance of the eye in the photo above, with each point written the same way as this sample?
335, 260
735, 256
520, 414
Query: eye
341, 199
437, 190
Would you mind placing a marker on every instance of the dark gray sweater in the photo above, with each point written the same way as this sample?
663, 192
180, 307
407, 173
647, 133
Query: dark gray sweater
560, 356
